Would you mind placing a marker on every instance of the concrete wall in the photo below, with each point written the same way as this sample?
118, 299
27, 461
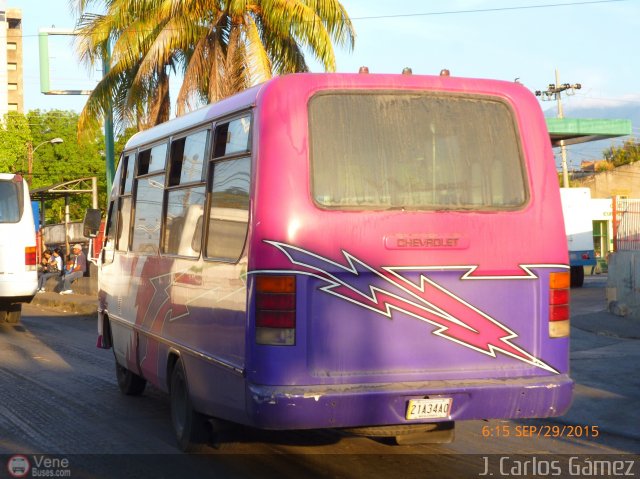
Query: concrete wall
622, 181
623, 284
86, 285
56, 235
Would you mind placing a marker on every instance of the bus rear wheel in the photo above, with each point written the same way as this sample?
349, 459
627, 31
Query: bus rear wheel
11, 313
129, 382
409, 434
190, 427
577, 276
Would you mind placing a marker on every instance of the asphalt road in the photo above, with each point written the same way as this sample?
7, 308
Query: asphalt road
59, 401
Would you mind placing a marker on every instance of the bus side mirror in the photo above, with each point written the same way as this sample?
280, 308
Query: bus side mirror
91, 223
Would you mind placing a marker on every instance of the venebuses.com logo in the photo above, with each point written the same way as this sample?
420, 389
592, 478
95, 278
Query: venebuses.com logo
18, 466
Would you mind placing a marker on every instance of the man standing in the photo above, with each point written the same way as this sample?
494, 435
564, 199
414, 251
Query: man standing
75, 271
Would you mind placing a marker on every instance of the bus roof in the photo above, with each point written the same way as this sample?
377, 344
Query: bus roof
251, 96
236, 102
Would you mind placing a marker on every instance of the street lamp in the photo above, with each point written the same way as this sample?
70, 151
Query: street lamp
31, 151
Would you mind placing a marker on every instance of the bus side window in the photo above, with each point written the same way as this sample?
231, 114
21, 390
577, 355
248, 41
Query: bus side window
187, 158
110, 232
229, 212
124, 223
148, 214
185, 207
152, 160
11, 204
120, 209
232, 137
185, 204
127, 169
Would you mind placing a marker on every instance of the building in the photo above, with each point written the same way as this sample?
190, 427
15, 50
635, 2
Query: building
604, 185
621, 181
11, 75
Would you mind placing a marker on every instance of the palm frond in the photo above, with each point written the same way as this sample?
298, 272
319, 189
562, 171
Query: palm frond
219, 46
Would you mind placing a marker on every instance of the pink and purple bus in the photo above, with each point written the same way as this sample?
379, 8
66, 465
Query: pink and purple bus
383, 253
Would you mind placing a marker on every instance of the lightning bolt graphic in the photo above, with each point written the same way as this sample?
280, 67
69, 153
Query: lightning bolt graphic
455, 319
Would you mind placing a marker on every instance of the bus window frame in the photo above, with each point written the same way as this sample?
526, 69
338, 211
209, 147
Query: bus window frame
166, 141
121, 193
111, 218
110, 238
122, 179
183, 135
516, 125
207, 127
209, 182
134, 187
19, 194
134, 202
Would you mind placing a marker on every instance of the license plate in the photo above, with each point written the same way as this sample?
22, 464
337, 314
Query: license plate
429, 408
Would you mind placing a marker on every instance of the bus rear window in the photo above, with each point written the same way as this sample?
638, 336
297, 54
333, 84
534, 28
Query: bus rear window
10, 201
423, 151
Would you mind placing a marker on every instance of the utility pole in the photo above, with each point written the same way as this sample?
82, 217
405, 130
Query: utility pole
108, 126
554, 92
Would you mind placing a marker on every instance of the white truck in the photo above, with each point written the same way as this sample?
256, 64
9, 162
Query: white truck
578, 227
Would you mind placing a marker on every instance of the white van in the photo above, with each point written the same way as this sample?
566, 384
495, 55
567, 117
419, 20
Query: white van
18, 262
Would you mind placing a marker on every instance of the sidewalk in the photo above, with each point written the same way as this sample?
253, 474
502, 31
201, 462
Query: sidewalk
605, 364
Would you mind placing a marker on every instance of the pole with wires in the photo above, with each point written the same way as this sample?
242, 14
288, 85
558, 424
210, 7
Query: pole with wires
555, 92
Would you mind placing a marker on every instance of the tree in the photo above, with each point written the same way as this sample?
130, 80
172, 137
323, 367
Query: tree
52, 164
220, 47
15, 136
70, 160
122, 140
629, 152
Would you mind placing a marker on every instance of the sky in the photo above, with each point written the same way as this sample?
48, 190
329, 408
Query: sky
593, 43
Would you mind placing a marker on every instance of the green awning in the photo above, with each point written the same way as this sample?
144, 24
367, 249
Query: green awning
581, 130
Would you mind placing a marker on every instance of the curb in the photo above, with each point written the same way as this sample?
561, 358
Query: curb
80, 304
606, 324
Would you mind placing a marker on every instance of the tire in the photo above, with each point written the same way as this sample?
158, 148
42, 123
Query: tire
129, 382
11, 313
444, 433
190, 427
408, 434
14, 312
577, 276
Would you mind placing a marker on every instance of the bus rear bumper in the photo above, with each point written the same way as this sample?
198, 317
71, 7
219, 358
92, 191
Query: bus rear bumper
353, 405
18, 288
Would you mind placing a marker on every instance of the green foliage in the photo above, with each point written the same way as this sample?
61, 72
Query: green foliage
629, 152
219, 47
53, 163
601, 166
15, 136
122, 141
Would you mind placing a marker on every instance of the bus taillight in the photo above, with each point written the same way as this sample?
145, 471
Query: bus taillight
559, 304
30, 260
276, 310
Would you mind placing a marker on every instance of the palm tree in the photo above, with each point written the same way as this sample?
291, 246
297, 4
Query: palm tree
219, 47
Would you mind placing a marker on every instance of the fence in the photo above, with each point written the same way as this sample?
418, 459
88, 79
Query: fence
626, 224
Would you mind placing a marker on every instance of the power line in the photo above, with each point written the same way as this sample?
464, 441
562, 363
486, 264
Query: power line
555, 91
615, 100
456, 12
485, 10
